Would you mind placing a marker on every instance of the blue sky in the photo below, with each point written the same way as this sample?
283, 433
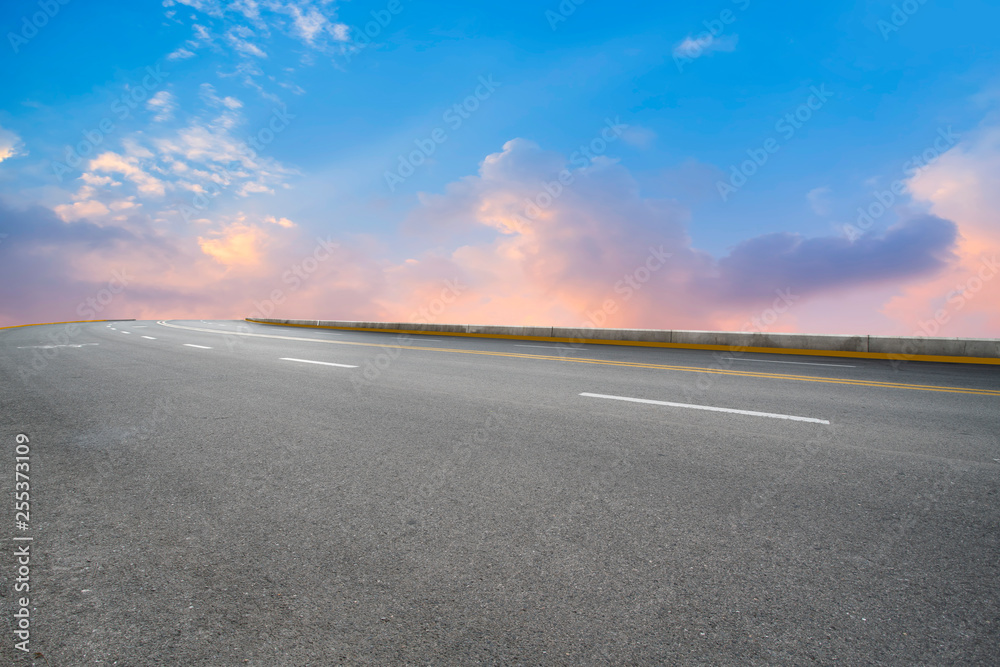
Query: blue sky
696, 86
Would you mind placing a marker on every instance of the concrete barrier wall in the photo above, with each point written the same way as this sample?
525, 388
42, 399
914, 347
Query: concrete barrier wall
861, 346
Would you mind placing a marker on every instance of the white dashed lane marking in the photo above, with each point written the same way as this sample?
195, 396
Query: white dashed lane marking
321, 363
709, 408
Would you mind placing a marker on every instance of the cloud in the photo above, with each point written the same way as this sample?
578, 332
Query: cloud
692, 181
115, 163
593, 250
248, 24
162, 104
310, 24
91, 179
236, 245
819, 200
49, 268
180, 54
963, 300
37, 278
80, 210
638, 136
705, 44
596, 234
202, 155
281, 222
10, 145
239, 38
758, 267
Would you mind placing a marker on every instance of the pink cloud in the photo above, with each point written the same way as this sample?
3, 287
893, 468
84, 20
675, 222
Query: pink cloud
964, 300
591, 248
566, 244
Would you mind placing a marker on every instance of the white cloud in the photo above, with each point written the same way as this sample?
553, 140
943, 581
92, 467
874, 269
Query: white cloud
91, 179
208, 94
134, 149
282, 222
238, 38
208, 157
210, 7
163, 105
112, 162
251, 188
81, 209
10, 145
313, 23
181, 54
341, 32
695, 47
124, 204
308, 23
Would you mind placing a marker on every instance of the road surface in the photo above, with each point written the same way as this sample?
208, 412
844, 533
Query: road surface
229, 493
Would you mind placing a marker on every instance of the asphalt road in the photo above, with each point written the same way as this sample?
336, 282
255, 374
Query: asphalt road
202, 497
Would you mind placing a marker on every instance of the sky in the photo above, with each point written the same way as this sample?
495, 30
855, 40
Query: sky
729, 165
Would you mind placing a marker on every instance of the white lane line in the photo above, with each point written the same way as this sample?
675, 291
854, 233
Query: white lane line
200, 347
550, 347
139, 326
800, 363
126, 332
149, 337
321, 363
50, 347
709, 408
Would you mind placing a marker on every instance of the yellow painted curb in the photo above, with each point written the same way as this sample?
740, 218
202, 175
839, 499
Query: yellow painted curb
43, 324
678, 346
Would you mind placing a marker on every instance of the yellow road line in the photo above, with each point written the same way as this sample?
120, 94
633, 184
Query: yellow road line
629, 364
43, 324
